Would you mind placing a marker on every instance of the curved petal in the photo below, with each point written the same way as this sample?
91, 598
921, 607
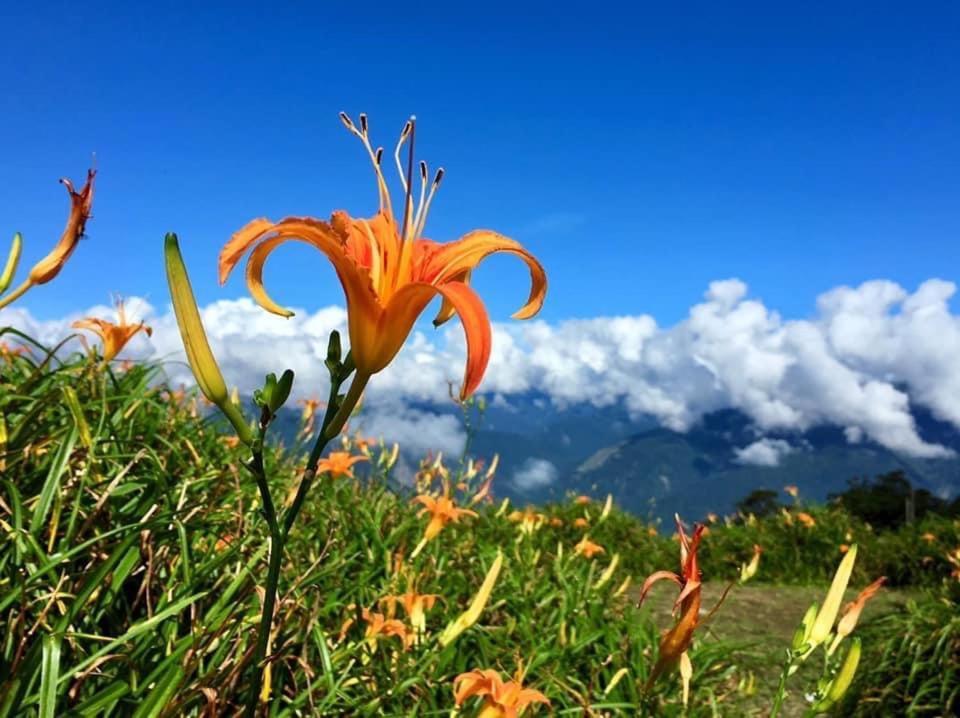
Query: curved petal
466, 253
97, 326
653, 578
407, 304
267, 236
447, 310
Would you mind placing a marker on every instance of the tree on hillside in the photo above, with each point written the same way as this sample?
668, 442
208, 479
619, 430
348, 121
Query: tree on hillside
760, 503
889, 500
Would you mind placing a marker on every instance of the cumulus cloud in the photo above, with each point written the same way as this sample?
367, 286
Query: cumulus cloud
535, 474
764, 452
868, 353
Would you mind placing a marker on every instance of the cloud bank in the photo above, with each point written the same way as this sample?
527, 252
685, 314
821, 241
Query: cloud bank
858, 363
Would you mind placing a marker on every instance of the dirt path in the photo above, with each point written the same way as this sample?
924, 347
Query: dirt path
761, 619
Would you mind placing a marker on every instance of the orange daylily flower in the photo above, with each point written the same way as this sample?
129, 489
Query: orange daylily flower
556, 522
378, 626
501, 699
851, 613
114, 336
806, 519
415, 604
792, 490
442, 511
588, 548
81, 205
339, 463
389, 272
580, 523
582, 500
676, 641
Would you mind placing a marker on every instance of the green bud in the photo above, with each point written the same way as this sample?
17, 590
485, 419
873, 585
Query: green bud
333, 353
841, 682
282, 390
12, 260
802, 635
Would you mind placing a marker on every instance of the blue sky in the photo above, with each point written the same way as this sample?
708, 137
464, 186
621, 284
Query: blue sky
639, 152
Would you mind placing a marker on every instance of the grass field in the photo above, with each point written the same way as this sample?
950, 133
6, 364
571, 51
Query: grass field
135, 551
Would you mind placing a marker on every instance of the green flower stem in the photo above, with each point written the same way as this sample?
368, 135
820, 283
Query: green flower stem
273, 576
782, 688
333, 423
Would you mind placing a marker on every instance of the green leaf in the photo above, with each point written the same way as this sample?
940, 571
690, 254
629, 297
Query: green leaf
49, 673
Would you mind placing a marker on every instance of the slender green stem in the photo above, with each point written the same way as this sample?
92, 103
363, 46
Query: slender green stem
782, 688
273, 578
16, 293
323, 438
332, 425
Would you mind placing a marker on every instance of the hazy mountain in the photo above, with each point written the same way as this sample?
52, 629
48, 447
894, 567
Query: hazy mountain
548, 451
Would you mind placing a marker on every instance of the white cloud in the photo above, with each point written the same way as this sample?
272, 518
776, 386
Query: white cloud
764, 452
858, 364
535, 474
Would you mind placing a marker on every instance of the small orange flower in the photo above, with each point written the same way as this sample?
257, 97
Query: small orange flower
929, 537
415, 604
389, 272
224, 542
114, 336
500, 699
806, 519
231, 442
379, 626
556, 522
792, 490
582, 500
339, 463
442, 511
580, 523
588, 548
844, 548
652, 531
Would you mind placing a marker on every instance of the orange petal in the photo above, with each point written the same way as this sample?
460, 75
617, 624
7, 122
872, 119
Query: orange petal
653, 578
473, 316
360, 297
452, 259
447, 310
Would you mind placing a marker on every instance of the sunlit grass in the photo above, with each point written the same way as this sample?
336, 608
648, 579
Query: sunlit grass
133, 544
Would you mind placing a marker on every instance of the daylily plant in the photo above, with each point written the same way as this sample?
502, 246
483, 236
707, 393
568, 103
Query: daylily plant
389, 271
677, 640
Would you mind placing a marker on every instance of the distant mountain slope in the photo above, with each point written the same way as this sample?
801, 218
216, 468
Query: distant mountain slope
653, 471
